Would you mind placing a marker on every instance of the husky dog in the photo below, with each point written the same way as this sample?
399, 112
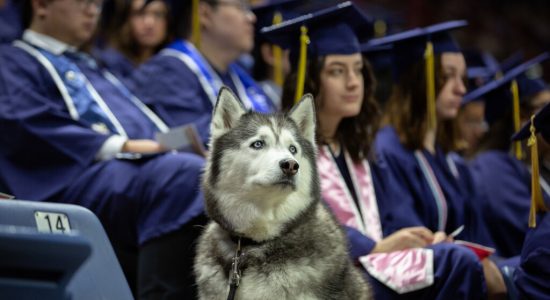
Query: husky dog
262, 192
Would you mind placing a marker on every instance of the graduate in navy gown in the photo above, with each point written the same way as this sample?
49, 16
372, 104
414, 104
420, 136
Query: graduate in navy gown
419, 138
482, 67
502, 178
181, 82
72, 133
355, 185
10, 22
132, 32
271, 64
531, 278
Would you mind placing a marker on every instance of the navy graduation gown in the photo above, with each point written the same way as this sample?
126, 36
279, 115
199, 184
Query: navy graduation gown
10, 23
505, 185
457, 271
48, 156
174, 92
115, 62
455, 181
532, 278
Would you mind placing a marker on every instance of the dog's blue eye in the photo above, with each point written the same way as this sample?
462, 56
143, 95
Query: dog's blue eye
257, 145
292, 149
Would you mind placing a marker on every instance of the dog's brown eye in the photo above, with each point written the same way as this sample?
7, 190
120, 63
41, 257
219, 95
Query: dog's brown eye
257, 145
292, 149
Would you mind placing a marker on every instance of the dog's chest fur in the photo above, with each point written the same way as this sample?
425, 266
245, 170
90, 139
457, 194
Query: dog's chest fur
308, 262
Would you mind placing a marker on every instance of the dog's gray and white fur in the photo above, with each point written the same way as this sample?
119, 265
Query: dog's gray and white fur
261, 183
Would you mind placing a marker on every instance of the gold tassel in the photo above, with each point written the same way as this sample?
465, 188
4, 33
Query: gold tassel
304, 41
430, 86
517, 123
278, 76
195, 24
537, 202
380, 28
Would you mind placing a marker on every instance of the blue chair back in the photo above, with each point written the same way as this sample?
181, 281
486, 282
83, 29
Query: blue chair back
36, 265
100, 277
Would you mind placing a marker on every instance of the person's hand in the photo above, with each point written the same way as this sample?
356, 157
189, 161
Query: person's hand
411, 237
441, 236
142, 146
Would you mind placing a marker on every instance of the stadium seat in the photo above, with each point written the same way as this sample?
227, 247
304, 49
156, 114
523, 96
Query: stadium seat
38, 265
100, 277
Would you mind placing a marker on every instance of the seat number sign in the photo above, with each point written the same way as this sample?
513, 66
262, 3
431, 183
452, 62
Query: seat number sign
52, 222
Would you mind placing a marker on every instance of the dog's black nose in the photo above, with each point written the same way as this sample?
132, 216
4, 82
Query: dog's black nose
289, 166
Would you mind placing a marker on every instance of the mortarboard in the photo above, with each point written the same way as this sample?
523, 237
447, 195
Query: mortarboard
512, 61
482, 67
501, 93
421, 44
500, 85
378, 56
410, 46
272, 13
334, 30
540, 122
266, 14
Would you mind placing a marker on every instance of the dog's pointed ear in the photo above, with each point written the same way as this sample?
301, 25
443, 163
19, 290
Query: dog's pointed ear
226, 114
303, 113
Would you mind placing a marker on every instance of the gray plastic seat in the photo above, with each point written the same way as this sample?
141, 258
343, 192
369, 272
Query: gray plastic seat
100, 277
37, 265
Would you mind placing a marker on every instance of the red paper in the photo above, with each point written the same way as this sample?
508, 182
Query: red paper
480, 250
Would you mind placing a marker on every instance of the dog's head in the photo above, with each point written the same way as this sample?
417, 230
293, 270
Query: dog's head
261, 173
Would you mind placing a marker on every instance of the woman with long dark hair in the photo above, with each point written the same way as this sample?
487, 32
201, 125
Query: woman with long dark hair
133, 31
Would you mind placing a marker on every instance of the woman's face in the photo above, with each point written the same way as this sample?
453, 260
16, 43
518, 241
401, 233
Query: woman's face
450, 96
539, 101
471, 123
342, 85
149, 26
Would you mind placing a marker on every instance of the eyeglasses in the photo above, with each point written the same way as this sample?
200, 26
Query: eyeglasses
86, 4
240, 4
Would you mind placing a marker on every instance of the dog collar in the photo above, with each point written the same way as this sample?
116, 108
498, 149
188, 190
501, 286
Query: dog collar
244, 241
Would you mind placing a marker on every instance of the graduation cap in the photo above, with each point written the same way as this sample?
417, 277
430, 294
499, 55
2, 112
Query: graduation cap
511, 61
540, 122
410, 46
421, 44
499, 93
494, 90
273, 13
334, 30
509, 76
378, 56
482, 67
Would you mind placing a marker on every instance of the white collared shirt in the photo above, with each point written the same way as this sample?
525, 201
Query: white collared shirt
47, 43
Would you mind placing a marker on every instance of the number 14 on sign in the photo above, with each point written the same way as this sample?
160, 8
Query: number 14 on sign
52, 222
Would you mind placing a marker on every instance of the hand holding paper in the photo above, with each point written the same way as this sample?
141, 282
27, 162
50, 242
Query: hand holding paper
182, 138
